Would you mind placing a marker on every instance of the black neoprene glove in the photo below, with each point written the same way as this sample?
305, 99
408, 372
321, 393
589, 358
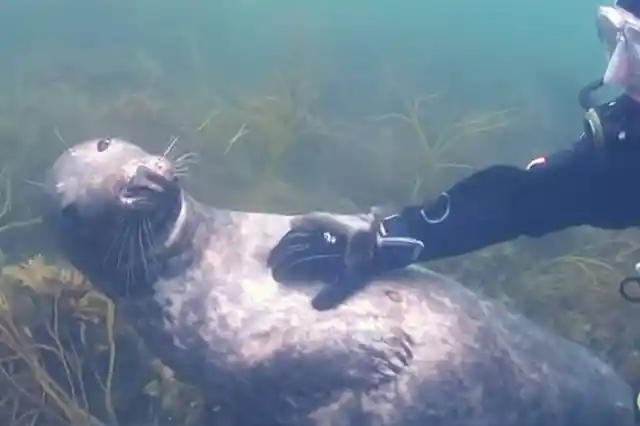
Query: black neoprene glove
326, 247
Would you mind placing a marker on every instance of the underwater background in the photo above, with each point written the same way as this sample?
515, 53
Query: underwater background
290, 106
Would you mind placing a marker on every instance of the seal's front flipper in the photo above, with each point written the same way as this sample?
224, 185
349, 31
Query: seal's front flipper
333, 294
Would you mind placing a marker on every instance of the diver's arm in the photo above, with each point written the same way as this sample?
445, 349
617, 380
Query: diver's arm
585, 185
596, 184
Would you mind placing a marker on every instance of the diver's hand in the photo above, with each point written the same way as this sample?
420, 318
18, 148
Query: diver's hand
327, 247
308, 252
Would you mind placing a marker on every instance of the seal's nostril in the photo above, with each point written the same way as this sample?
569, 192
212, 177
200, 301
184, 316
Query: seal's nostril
103, 145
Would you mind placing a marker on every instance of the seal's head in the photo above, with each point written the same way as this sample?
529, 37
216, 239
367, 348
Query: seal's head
111, 200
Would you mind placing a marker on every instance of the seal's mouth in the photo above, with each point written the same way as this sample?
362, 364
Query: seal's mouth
148, 188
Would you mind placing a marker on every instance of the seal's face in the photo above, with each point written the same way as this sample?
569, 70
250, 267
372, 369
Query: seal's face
111, 174
111, 200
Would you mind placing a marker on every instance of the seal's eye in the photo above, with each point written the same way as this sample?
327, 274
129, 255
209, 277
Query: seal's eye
103, 144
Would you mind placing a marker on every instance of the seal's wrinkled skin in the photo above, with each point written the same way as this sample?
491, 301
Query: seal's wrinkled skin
412, 348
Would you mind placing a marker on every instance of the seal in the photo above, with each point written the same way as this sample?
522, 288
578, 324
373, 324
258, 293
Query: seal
411, 348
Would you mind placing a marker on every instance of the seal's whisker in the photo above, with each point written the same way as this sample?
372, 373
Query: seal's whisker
136, 257
60, 138
34, 183
183, 164
118, 233
143, 258
121, 236
172, 143
107, 256
186, 158
181, 172
125, 235
128, 279
181, 168
186, 155
146, 226
190, 160
146, 245
131, 259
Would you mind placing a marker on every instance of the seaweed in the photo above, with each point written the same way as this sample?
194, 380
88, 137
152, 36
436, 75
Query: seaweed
438, 149
59, 344
278, 119
33, 348
6, 200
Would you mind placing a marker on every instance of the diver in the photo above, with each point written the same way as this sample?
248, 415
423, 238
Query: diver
596, 182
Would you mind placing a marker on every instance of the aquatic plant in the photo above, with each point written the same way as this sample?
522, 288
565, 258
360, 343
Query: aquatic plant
6, 203
36, 346
439, 149
58, 347
272, 124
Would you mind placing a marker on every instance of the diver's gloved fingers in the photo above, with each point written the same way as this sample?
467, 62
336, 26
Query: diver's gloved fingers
312, 268
287, 247
294, 251
286, 255
321, 221
318, 259
295, 237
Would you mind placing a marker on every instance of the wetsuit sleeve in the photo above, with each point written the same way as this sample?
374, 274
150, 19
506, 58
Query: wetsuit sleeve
584, 185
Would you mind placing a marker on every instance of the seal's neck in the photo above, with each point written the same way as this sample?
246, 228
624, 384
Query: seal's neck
190, 230
173, 248
130, 254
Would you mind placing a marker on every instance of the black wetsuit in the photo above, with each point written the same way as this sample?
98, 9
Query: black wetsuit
584, 185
